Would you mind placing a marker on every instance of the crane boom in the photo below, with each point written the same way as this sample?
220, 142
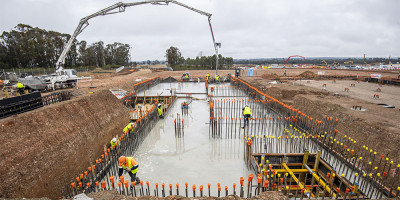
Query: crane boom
118, 8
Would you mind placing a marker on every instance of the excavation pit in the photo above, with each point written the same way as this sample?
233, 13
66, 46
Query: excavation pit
203, 140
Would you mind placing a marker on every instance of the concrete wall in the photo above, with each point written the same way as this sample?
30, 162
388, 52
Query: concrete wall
43, 150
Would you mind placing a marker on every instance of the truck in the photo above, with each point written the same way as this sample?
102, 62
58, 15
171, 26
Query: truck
64, 78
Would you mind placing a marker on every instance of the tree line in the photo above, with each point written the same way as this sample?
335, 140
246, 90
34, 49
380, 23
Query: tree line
318, 61
26, 47
177, 61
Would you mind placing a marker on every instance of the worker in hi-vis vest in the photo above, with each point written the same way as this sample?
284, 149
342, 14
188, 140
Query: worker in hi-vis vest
217, 78
207, 76
130, 165
114, 141
246, 114
160, 111
127, 127
20, 87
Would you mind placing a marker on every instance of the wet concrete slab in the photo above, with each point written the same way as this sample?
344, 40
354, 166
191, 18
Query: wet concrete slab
195, 157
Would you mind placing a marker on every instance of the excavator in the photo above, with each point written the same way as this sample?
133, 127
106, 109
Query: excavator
320, 66
348, 62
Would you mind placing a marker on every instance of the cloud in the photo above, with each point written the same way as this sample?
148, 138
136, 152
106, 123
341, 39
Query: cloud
246, 29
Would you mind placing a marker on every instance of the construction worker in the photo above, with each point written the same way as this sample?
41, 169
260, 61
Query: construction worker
217, 78
246, 114
207, 77
130, 165
284, 72
160, 112
127, 127
20, 87
185, 105
186, 76
114, 141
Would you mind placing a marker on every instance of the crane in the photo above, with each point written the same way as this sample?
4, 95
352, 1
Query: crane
118, 8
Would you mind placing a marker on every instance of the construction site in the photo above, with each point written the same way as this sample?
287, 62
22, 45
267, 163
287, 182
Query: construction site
237, 133
305, 139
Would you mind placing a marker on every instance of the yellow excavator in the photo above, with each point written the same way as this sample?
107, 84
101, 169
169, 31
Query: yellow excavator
321, 66
348, 62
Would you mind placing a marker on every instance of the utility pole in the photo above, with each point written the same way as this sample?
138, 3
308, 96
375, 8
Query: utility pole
364, 60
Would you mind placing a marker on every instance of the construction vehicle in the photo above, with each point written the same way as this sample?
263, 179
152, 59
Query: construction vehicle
348, 62
64, 78
321, 66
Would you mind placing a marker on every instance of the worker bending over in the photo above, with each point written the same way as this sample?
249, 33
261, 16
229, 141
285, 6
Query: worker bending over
127, 127
246, 114
130, 165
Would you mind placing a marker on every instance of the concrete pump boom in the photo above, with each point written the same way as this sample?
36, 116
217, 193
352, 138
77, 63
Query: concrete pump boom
118, 8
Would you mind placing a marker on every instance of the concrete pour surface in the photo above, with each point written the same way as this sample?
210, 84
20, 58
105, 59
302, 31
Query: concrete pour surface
195, 157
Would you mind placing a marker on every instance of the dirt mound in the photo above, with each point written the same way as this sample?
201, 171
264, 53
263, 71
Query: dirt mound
44, 149
307, 74
271, 76
124, 71
168, 80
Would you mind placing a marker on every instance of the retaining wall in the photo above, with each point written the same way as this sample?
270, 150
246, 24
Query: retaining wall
41, 149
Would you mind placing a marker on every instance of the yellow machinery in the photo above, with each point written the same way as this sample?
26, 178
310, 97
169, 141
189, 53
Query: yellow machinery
348, 62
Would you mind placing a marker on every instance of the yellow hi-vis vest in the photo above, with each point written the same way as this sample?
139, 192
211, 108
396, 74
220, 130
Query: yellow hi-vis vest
112, 143
127, 127
131, 162
217, 78
159, 111
20, 85
247, 111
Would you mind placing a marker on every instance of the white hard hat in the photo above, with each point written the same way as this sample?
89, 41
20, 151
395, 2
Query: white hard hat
159, 104
114, 140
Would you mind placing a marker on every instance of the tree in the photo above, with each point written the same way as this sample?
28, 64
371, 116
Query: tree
174, 56
25, 47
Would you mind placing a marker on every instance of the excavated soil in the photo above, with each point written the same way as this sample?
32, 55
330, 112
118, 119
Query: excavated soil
44, 149
271, 76
307, 74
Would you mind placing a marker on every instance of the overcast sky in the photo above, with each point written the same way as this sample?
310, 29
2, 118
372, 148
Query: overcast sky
246, 28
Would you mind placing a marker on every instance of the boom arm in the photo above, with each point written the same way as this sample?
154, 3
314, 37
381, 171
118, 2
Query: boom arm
117, 8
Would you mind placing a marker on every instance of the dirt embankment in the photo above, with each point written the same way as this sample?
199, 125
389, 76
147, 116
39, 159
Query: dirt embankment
44, 149
377, 128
